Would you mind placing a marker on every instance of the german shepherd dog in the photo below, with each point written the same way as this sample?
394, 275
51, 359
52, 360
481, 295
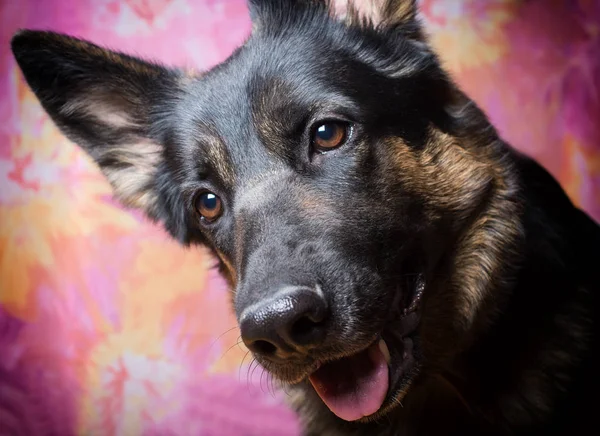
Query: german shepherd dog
393, 262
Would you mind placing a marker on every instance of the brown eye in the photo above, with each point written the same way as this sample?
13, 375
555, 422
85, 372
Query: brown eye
329, 136
209, 206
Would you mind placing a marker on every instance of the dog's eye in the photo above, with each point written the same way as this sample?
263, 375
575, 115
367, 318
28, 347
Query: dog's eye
330, 135
209, 206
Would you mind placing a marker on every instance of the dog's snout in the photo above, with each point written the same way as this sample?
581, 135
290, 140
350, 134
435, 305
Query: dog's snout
291, 321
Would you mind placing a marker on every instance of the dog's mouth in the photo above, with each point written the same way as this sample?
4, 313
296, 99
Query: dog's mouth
356, 386
366, 384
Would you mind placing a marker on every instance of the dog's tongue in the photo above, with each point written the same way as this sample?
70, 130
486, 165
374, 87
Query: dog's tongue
355, 386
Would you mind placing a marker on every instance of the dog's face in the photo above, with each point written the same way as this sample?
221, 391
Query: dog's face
325, 163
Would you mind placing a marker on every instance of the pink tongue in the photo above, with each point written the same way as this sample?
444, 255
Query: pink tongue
355, 386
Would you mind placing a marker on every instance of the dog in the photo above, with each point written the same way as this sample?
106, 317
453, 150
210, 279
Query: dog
394, 264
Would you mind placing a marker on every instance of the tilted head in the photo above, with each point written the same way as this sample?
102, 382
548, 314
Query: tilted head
331, 165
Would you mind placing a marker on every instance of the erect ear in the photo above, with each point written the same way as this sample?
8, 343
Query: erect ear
113, 105
381, 14
395, 15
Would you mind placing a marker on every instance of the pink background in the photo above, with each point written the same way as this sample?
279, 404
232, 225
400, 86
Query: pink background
109, 328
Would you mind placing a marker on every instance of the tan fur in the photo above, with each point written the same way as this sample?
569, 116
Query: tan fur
132, 179
374, 13
106, 108
219, 158
456, 181
229, 273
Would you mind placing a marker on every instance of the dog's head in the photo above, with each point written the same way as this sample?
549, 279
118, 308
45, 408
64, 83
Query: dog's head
330, 164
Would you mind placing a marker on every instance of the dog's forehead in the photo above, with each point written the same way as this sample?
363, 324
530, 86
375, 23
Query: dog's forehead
249, 105
266, 72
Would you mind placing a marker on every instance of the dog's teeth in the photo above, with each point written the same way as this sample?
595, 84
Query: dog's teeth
385, 351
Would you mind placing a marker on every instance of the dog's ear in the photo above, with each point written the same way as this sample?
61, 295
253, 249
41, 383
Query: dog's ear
113, 105
391, 15
377, 13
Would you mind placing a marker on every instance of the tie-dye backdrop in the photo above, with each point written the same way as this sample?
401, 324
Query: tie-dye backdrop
109, 328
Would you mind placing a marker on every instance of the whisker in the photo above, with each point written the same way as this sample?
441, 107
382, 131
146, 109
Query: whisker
241, 365
285, 388
455, 391
248, 381
220, 336
241, 341
228, 350
248, 369
256, 366
262, 373
270, 378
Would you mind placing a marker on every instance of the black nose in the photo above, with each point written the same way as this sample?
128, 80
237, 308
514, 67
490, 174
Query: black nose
290, 322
